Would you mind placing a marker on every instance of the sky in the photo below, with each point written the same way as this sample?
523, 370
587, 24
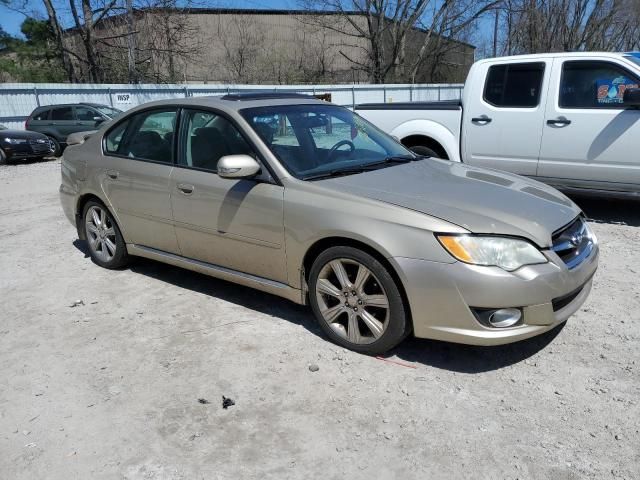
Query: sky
11, 20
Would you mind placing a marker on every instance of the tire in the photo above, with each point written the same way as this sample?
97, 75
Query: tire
57, 148
425, 151
352, 312
106, 245
3, 157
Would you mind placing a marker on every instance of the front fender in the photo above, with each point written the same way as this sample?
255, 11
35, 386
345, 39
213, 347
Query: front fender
433, 130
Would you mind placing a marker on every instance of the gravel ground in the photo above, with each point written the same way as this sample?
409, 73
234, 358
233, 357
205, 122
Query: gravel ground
110, 388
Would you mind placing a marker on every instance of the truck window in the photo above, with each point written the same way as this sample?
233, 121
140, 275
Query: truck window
515, 85
593, 84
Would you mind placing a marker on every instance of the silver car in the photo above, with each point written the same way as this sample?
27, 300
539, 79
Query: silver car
306, 200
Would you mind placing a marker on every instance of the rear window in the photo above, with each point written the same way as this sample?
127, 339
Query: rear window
515, 85
42, 115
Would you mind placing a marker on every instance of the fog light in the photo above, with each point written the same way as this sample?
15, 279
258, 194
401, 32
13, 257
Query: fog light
505, 317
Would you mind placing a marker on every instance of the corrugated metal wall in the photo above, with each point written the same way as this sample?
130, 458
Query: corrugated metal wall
18, 100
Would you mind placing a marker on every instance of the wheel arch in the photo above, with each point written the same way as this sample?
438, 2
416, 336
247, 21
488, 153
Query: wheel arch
430, 134
82, 201
336, 241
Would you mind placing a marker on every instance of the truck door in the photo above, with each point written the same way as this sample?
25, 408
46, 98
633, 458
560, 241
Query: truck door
590, 138
503, 115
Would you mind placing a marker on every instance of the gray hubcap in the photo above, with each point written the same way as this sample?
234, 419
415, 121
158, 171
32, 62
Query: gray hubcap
101, 233
352, 301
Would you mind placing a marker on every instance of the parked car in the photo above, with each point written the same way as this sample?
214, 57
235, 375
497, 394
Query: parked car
571, 120
59, 121
20, 145
304, 199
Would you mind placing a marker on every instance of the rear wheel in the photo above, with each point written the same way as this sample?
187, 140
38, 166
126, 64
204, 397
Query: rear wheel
356, 301
106, 245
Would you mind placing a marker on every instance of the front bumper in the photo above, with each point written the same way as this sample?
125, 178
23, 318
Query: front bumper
441, 297
27, 151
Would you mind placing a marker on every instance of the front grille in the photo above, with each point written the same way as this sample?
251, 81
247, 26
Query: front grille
573, 243
40, 147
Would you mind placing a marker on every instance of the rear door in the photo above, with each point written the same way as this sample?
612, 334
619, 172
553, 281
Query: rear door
590, 138
503, 116
137, 165
63, 122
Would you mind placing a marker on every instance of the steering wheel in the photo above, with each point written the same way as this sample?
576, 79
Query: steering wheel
341, 143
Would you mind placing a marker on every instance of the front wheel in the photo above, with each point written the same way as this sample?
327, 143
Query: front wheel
424, 151
57, 148
106, 245
3, 157
356, 301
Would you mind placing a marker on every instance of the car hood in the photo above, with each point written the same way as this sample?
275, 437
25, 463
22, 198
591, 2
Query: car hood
479, 200
22, 134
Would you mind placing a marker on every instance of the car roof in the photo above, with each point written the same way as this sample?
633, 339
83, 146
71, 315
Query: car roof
236, 102
539, 56
87, 104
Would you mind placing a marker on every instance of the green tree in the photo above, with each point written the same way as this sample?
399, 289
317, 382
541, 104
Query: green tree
34, 59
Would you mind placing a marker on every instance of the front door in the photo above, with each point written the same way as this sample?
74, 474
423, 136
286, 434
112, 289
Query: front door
590, 139
503, 116
237, 224
137, 165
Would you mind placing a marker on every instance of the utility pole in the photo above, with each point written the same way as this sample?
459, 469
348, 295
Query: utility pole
131, 43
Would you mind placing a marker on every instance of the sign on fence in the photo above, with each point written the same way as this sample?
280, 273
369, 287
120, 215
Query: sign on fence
122, 98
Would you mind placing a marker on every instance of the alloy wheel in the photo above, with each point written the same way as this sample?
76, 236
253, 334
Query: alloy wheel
101, 233
352, 301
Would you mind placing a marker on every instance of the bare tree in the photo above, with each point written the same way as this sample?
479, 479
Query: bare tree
571, 25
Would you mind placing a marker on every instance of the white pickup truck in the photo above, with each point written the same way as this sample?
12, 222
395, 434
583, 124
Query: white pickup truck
568, 119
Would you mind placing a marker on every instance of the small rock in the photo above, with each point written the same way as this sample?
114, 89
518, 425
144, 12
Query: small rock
227, 402
26, 432
388, 436
30, 445
618, 437
194, 436
77, 303
313, 367
203, 401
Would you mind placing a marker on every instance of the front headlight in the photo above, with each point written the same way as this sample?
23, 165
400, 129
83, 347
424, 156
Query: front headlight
15, 141
506, 253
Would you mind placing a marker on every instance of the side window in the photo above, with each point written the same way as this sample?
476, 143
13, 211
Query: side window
515, 85
43, 115
113, 139
85, 114
589, 84
207, 137
62, 113
146, 136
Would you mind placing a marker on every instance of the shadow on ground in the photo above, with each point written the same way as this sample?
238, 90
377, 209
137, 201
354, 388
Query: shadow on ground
432, 353
609, 210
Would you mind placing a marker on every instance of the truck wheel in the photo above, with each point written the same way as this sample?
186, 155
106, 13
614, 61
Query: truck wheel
425, 151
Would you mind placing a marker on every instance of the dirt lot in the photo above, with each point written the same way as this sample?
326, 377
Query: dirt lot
110, 388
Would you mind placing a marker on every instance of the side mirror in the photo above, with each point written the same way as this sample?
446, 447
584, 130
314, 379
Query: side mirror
237, 166
631, 97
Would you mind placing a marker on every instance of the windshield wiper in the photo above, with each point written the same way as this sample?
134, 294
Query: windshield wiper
367, 167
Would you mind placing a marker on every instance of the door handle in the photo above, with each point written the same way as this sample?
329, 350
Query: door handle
559, 122
112, 174
186, 189
483, 119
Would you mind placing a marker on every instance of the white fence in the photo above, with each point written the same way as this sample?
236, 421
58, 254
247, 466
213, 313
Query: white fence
18, 100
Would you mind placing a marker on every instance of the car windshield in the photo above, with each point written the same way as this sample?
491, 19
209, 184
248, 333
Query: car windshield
110, 112
315, 141
634, 57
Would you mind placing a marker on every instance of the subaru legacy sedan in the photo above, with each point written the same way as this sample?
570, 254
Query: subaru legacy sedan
306, 200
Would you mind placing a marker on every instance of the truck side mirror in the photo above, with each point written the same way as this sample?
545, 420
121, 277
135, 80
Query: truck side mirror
631, 97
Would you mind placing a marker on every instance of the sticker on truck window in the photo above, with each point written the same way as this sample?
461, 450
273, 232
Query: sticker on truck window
612, 90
